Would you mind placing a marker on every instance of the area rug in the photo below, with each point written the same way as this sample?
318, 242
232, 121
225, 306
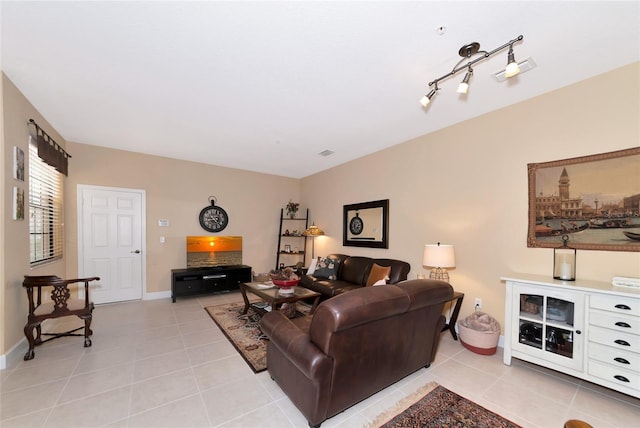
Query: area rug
243, 331
439, 408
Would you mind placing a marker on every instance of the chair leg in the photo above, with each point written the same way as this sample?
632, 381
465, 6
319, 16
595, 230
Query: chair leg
28, 332
87, 329
38, 334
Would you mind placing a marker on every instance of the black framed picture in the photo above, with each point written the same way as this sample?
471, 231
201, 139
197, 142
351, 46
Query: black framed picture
366, 224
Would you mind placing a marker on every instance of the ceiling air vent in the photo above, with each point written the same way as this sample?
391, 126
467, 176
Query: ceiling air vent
326, 153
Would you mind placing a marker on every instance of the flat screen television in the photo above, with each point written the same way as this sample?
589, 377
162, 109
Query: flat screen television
208, 251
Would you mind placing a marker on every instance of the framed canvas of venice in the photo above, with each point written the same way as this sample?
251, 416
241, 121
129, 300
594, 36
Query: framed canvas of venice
594, 200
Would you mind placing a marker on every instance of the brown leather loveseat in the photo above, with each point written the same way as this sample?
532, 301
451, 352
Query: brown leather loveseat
353, 273
355, 345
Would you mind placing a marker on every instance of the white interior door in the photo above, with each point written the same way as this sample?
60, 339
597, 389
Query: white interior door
111, 241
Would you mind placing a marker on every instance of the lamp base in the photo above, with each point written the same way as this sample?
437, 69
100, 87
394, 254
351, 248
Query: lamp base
440, 274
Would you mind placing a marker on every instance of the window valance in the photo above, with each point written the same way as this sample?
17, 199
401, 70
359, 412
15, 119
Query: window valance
49, 151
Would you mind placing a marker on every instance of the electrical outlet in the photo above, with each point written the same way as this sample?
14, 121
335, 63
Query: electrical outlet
478, 304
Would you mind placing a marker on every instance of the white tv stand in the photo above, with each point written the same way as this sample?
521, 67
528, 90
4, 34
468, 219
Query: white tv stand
587, 329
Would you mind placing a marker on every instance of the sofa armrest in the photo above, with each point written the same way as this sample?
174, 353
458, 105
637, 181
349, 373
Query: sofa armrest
295, 344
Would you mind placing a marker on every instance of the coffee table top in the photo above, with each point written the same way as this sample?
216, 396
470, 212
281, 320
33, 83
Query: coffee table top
272, 293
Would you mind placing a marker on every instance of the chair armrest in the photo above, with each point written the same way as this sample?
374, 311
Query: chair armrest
295, 345
85, 280
86, 286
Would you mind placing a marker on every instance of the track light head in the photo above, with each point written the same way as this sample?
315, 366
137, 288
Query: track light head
463, 87
512, 67
427, 98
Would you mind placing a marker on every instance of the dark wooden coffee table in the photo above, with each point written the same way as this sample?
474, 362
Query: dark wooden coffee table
274, 298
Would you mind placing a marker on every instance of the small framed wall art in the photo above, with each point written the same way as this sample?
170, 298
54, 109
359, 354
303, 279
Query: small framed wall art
18, 163
18, 203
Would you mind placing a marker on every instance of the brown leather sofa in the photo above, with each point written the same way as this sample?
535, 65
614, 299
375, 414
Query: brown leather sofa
353, 272
355, 345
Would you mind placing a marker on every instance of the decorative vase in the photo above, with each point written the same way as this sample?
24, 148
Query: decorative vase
292, 214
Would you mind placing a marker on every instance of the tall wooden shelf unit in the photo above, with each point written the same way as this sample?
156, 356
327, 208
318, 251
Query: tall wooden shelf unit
294, 241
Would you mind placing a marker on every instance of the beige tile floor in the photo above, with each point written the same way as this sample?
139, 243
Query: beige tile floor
163, 364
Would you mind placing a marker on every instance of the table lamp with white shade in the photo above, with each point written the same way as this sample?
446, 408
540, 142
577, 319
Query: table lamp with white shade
439, 257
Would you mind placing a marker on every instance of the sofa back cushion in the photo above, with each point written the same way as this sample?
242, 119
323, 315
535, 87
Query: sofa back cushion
355, 308
356, 269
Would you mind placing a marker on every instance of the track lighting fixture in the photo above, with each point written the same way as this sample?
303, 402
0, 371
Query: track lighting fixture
466, 52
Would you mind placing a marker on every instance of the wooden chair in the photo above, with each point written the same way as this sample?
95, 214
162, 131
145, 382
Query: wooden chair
61, 305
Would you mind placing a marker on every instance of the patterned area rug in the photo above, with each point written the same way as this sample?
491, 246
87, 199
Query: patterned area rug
440, 408
243, 331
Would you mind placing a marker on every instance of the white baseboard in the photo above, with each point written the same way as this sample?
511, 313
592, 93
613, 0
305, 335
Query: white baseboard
157, 295
15, 354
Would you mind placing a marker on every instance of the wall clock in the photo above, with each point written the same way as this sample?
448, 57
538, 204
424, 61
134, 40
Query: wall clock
213, 218
356, 225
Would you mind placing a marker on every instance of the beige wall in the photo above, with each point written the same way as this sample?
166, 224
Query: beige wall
176, 191
15, 113
467, 186
3, 192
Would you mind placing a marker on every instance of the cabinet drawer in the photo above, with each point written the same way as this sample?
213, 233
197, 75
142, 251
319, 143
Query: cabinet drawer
618, 340
621, 305
188, 286
615, 375
614, 321
615, 357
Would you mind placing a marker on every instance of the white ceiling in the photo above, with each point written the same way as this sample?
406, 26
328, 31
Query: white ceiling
266, 86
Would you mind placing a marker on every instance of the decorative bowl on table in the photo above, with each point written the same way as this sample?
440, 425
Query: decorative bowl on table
285, 285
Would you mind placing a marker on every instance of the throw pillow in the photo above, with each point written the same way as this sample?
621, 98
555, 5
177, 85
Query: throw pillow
327, 268
381, 282
312, 267
378, 273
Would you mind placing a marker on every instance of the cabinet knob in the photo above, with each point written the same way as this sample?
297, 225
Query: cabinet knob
622, 342
623, 324
578, 332
621, 306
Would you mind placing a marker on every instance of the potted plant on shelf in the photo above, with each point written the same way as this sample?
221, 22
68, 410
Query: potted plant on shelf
292, 209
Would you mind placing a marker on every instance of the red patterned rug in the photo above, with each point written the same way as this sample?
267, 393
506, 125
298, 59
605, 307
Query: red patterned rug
441, 408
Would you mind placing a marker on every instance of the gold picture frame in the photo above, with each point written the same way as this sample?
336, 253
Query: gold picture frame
594, 200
